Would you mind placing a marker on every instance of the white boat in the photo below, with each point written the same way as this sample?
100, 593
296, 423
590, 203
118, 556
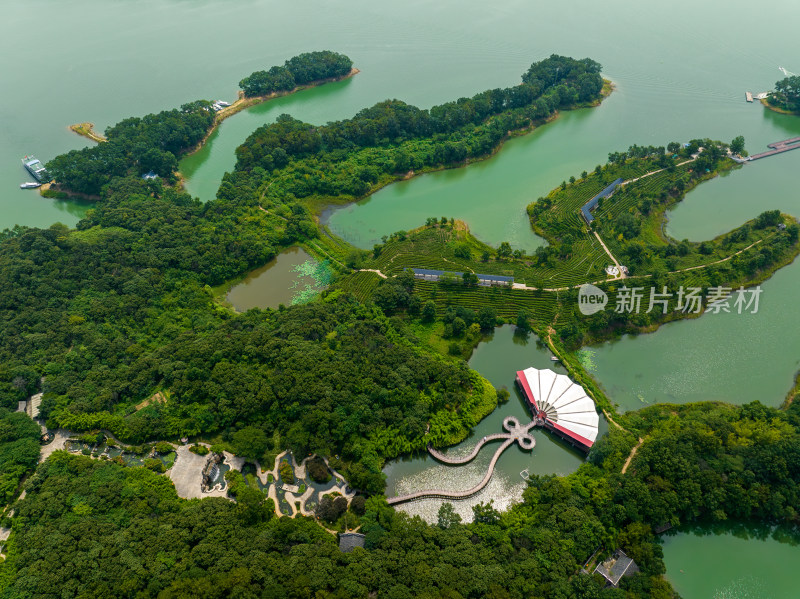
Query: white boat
29, 185
35, 168
222, 103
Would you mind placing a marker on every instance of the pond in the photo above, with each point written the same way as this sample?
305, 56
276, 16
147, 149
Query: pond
292, 277
497, 358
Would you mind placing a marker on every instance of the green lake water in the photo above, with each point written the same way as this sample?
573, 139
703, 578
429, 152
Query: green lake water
497, 358
745, 564
680, 69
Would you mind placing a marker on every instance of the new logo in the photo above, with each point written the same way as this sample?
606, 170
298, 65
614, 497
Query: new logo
591, 299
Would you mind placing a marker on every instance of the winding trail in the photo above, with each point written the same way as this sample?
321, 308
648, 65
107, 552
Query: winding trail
620, 270
375, 270
633, 453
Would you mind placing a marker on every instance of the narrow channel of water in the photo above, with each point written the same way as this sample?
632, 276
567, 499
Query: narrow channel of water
497, 358
748, 563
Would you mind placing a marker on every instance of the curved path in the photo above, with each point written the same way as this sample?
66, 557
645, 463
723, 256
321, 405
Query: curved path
517, 433
441, 494
468, 458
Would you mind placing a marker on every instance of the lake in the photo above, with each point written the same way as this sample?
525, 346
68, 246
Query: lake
734, 563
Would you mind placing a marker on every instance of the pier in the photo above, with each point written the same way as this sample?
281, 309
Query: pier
778, 147
517, 433
748, 96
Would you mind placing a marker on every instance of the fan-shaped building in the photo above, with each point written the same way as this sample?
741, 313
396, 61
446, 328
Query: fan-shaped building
560, 406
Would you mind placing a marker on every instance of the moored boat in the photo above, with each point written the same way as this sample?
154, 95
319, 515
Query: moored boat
29, 185
34, 166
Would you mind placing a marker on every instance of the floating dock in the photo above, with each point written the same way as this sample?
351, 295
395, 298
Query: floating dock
748, 96
778, 147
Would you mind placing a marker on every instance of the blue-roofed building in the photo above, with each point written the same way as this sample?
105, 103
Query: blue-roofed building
586, 209
485, 280
150, 176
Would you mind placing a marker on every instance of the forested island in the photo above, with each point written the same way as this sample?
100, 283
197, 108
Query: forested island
122, 333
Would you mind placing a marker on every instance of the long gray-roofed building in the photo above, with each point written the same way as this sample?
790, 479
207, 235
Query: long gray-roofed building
426, 274
586, 209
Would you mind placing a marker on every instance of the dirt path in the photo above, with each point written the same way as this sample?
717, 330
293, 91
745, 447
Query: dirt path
718, 261
377, 272
613, 259
633, 453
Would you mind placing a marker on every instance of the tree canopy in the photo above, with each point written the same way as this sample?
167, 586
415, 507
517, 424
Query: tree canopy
303, 69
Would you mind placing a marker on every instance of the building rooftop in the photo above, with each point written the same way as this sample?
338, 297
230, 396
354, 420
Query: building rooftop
563, 405
587, 208
481, 277
617, 566
350, 540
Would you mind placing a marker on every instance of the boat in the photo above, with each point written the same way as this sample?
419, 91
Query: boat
30, 185
554, 358
34, 166
223, 103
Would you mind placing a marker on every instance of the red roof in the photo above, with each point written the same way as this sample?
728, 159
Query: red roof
523, 380
564, 431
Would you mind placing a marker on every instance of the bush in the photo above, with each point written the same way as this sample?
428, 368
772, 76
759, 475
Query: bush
286, 472
331, 509
358, 505
318, 470
154, 464
163, 447
199, 449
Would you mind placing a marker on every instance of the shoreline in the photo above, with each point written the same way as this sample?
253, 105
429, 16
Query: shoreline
776, 109
322, 213
243, 102
52, 191
86, 129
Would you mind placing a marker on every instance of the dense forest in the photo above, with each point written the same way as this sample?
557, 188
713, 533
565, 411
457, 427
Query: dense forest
119, 310
787, 94
131, 536
19, 451
309, 67
156, 141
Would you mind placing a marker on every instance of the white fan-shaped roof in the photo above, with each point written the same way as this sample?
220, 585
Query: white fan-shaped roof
565, 403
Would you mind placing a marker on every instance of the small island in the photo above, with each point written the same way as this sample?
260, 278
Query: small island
786, 97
